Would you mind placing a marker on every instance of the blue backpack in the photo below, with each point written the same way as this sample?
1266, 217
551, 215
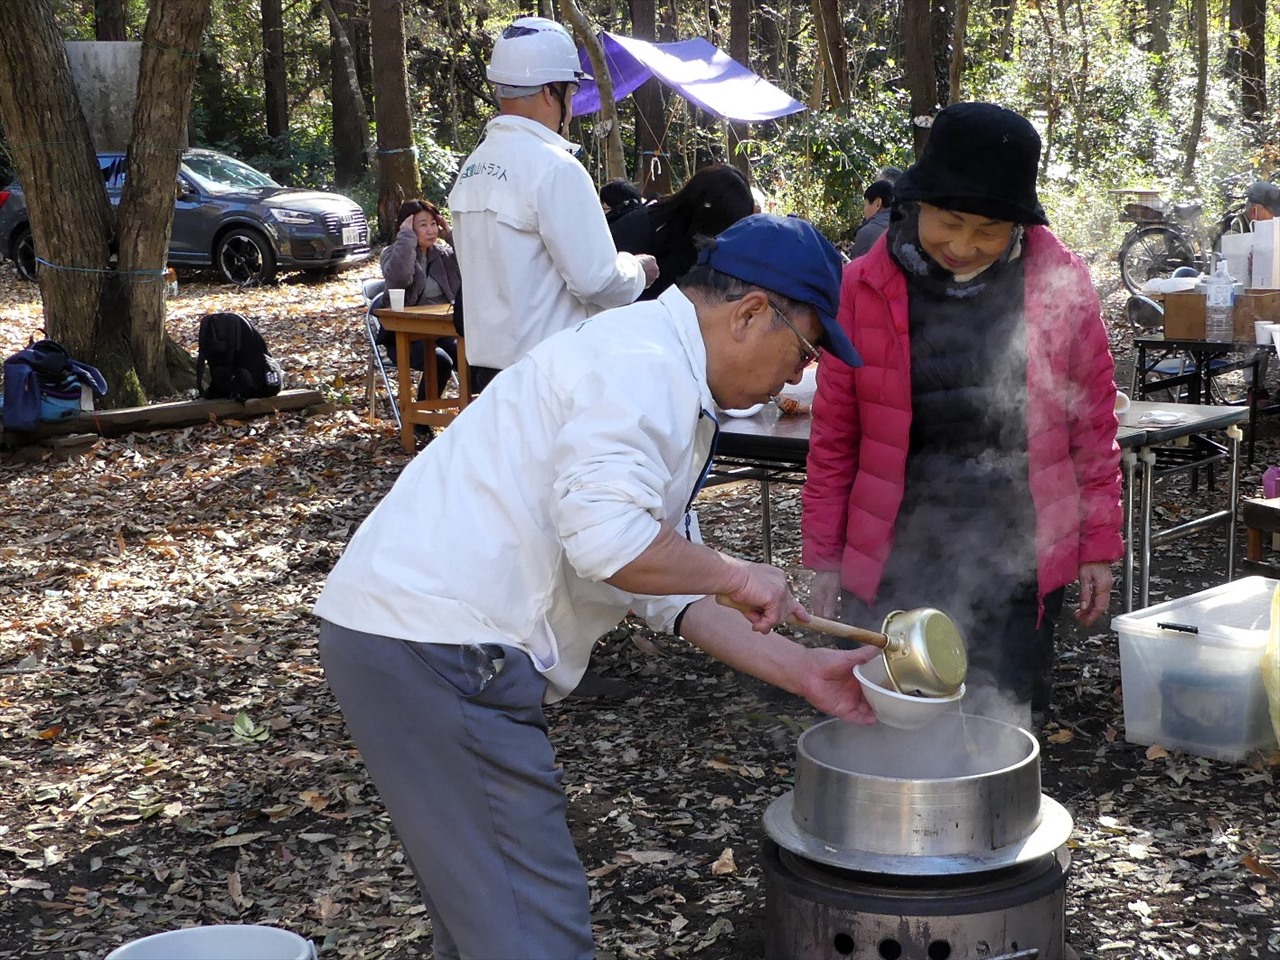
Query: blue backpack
42, 383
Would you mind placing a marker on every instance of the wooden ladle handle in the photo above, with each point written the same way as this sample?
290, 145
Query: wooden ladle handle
832, 628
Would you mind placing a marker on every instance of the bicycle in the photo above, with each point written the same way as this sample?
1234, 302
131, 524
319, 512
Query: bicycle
1165, 237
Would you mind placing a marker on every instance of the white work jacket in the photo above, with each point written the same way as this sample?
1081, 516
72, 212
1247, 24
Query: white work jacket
533, 247
504, 529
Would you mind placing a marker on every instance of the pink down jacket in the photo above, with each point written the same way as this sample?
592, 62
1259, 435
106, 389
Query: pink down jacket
862, 423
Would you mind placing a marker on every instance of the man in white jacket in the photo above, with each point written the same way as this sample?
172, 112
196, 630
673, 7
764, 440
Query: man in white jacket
533, 246
564, 494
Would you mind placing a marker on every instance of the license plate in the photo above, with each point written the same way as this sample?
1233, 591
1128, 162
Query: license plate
350, 236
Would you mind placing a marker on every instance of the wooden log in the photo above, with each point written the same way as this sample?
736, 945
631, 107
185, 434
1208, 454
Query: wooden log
182, 413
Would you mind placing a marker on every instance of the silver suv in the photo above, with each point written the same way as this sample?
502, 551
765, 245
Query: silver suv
229, 216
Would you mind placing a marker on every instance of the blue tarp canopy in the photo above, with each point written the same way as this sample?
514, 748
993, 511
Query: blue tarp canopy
696, 69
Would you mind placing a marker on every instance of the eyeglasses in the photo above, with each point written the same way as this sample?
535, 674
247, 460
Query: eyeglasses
808, 352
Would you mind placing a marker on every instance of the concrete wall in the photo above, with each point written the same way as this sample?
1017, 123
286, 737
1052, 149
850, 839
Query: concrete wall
106, 78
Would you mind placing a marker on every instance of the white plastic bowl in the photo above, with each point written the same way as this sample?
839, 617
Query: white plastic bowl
901, 710
746, 411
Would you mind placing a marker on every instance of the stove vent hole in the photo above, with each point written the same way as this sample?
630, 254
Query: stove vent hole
890, 950
843, 944
939, 950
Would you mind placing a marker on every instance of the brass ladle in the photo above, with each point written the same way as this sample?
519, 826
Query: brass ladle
923, 652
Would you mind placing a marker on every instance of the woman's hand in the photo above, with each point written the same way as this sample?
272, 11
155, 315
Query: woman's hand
1095, 592
407, 224
446, 231
824, 593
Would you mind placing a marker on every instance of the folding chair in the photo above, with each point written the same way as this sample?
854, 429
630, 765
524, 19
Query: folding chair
373, 292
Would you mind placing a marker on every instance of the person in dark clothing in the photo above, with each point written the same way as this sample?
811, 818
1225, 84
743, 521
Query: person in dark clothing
618, 198
421, 263
877, 204
715, 198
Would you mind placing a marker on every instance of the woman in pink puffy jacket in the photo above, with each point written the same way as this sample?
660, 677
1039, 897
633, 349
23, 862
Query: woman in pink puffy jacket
971, 463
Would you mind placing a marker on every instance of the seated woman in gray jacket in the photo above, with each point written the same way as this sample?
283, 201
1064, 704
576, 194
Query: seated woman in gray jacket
421, 263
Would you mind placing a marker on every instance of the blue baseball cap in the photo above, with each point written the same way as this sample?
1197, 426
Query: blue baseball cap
789, 256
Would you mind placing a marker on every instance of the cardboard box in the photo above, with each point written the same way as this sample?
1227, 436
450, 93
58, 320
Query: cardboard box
1184, 316
1252, 306
1191, 671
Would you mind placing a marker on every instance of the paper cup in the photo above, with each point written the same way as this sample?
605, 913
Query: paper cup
1122, 403
395, 299
1262, 332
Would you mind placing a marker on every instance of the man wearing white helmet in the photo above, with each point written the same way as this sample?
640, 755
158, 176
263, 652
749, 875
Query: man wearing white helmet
534, 250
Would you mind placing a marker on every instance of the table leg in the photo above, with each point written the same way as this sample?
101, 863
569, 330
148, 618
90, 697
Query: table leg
464, 376
1233, 435
1130, 461
1148, 458
1139, 373
404, 374
1258, 368
433, 386
766, 520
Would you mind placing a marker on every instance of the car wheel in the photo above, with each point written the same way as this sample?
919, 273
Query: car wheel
24, 254
244, 257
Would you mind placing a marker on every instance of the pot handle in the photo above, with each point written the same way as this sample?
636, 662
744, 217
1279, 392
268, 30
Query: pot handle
831, 628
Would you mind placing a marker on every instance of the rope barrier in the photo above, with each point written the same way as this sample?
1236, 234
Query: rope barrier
152, 276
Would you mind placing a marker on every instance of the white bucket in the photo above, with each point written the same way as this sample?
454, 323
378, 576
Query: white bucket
225, 942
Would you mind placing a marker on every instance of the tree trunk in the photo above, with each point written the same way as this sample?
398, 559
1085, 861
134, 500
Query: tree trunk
653, 166
218, 126
1159, 13
1158, 16
275, 87
108, 20
1002, 12
397, 158
88, 305
1253, 60
1052, 104
71, 221
740, 50
350, 117
1200, 11
615, 164
955, 75
921, 77
165, 75
828, 23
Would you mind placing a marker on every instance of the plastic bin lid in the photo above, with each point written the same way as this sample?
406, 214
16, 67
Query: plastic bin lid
1233, 614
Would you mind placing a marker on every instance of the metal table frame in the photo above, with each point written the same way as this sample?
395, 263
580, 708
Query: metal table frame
770, 448
1254, 357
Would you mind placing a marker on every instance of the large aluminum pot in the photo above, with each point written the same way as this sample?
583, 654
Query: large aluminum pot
962, 786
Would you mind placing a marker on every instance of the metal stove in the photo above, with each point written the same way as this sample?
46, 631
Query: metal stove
933, 844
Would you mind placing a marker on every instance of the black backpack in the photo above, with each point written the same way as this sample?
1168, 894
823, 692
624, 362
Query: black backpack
239, 363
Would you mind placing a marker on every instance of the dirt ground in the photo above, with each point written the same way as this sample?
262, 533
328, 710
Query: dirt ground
171, 755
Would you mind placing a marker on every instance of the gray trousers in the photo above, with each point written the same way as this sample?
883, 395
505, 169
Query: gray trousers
455, 740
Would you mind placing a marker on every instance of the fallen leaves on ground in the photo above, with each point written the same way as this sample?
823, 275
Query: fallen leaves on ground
171, 754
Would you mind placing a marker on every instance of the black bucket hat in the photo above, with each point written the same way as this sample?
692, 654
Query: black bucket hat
980, 158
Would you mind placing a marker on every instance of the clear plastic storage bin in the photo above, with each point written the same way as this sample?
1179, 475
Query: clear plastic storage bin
1191, 671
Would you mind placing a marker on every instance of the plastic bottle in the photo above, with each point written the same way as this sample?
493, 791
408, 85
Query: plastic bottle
1219, 305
